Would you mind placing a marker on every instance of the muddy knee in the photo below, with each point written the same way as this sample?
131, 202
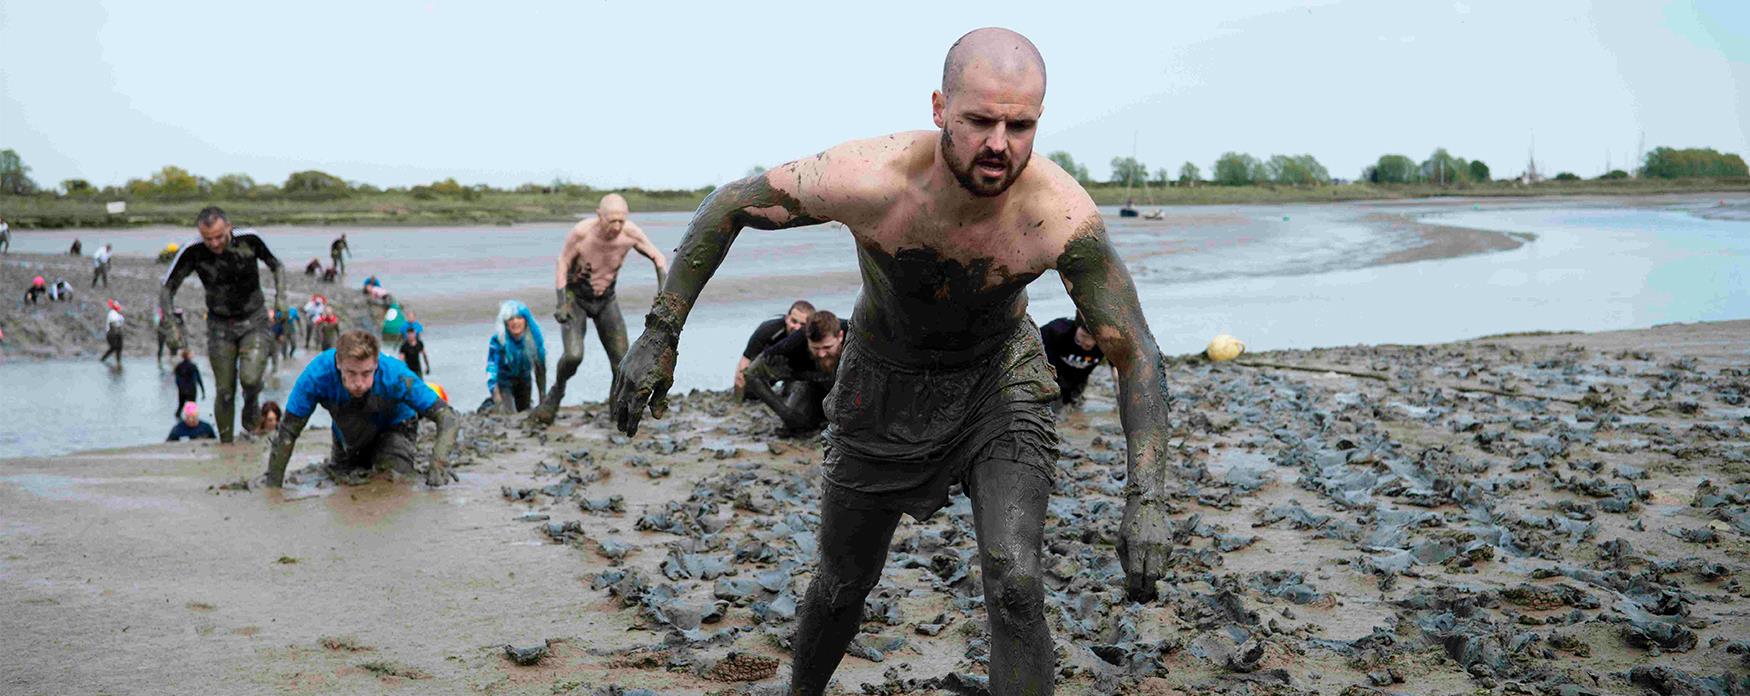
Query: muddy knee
1014, 590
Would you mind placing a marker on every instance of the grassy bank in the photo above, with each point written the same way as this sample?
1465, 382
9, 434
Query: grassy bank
1114, 194
506, 207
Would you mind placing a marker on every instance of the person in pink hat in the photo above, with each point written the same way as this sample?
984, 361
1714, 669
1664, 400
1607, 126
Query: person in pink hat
112, 332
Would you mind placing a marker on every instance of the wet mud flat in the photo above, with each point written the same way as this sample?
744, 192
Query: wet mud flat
75, 328
1528, 514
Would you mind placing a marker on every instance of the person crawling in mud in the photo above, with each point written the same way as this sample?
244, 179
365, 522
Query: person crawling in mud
766, 335
805, 361
376, 404
238, 338
589, 265
943, 379
1073, 354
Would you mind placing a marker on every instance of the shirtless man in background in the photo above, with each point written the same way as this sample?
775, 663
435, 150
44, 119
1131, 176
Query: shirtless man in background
943, 378
589, 265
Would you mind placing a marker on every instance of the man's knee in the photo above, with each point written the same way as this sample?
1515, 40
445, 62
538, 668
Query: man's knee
1015, 591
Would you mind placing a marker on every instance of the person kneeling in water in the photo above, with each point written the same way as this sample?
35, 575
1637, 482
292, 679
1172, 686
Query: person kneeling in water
376, 403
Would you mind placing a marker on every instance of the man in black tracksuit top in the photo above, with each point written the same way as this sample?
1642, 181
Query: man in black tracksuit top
238, 337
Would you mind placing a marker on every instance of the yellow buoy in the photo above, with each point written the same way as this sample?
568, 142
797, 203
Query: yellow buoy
172, 247
1224, 347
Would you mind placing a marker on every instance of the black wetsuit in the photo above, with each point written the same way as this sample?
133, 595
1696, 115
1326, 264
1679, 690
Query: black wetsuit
239, 341
336, 250
766, 335
1072, 362
412, 354
805, 383
35, 293
188, 379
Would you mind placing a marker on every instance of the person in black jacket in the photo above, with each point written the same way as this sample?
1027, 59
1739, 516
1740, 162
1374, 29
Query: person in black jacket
1073, 354
806, 361
766, 335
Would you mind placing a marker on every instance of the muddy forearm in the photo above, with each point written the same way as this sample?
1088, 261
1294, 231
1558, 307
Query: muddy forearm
1103, 292
167, 302
281, 449
279, 287
448, 424
751, 202
759, 380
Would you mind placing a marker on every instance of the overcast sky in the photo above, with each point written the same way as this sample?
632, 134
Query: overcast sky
611, 93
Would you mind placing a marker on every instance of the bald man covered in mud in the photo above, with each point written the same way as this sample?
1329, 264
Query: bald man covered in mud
943, 379
589, 264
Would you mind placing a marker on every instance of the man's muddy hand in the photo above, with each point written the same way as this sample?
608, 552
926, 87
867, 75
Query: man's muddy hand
438, 474
562, 306
1144, 541
645, 376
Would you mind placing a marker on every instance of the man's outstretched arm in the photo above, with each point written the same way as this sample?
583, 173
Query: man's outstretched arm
766, 201
448, 423
281, 450
644, 246
1102, 290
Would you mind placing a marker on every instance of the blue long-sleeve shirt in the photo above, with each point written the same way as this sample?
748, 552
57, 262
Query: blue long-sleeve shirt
509, 358
397, 395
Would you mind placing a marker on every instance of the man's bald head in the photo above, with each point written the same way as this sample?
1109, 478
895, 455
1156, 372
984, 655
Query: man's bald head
611, 215
613, 201
994, 52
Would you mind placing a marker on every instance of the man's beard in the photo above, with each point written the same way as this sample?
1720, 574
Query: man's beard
828, 367
963, 171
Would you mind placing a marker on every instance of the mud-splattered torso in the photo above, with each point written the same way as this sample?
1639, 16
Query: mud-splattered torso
936, 290
596, 267
231, 279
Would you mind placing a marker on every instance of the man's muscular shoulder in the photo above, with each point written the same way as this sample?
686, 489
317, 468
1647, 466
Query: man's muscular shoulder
1055, 204
855, 179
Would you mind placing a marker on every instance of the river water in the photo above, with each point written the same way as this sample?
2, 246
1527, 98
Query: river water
1293, 276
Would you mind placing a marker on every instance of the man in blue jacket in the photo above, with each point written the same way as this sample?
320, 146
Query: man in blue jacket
376, 404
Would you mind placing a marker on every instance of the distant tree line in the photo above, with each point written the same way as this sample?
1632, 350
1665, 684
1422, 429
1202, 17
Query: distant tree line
1231, 169
173, 183
1667, 163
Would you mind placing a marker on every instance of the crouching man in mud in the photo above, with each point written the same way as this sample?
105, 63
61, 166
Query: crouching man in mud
376, 404
589, 266
806, 361
238, 337
943, 379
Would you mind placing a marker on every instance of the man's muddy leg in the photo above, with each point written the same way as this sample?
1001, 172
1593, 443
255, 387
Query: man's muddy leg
222, 353
253, 350
853, 549
572, 334
1008, 509
610, 327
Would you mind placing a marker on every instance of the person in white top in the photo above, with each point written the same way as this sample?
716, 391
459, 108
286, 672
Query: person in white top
5, 236
100, 266
112, 332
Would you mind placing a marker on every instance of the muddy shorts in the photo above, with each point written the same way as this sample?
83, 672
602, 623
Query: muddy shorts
899, 435
583, 297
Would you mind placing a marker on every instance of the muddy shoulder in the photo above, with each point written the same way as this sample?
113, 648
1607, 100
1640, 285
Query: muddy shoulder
1561, 513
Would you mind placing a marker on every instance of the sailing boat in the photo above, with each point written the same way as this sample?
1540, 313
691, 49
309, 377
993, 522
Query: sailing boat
1129, 210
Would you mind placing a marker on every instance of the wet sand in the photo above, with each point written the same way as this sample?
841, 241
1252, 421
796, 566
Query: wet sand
1518, 514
